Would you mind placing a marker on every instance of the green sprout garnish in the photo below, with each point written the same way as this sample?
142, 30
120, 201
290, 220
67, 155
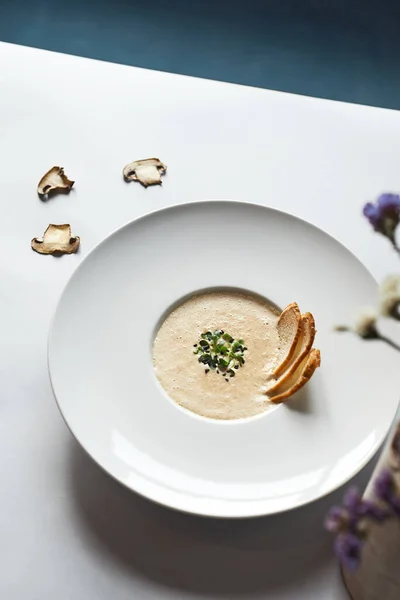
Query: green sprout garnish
220, 352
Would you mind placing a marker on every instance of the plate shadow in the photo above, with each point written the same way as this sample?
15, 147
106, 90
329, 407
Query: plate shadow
200, 555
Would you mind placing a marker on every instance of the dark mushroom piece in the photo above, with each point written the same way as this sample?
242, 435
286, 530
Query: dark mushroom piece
147, 171
56, 239
55, 180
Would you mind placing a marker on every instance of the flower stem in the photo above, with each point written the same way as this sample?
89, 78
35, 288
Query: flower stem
377, 336
388, 341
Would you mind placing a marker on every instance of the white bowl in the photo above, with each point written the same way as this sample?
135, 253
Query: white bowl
101, 369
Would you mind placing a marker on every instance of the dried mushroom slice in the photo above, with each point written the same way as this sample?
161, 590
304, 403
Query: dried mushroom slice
54, 180
147, 171
56, 239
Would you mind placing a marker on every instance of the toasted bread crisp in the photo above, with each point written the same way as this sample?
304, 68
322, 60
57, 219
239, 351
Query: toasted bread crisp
297, 359
289, 333
304, 344
299, 378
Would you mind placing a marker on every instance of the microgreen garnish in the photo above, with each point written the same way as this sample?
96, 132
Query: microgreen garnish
218, 351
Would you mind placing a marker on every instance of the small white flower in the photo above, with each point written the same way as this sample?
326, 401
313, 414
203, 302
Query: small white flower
365, 323
389, 296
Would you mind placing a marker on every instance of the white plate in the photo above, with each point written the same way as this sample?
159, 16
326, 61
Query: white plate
101, 365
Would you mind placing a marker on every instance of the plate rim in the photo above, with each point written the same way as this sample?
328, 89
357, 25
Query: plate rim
158, 498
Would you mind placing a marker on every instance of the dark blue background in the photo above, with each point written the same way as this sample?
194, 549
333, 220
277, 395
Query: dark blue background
345, 50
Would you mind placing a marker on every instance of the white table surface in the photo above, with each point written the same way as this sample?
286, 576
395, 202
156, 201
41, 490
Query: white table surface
67, 530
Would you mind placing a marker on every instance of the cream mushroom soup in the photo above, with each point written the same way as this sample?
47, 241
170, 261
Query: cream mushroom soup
213, 353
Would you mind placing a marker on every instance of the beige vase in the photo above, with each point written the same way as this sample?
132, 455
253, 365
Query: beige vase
378, 576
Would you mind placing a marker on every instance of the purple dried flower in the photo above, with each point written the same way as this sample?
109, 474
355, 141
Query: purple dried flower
384, 484
384, 215
337, 520
348, 548
349, 522
396, 444
373, 511
358, 508
352, 499
386, 490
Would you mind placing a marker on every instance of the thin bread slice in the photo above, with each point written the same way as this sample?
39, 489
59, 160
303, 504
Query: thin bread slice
288, 332
303, 347
299, 378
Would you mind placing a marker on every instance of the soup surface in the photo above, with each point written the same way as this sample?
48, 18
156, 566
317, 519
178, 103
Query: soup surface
246, 355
